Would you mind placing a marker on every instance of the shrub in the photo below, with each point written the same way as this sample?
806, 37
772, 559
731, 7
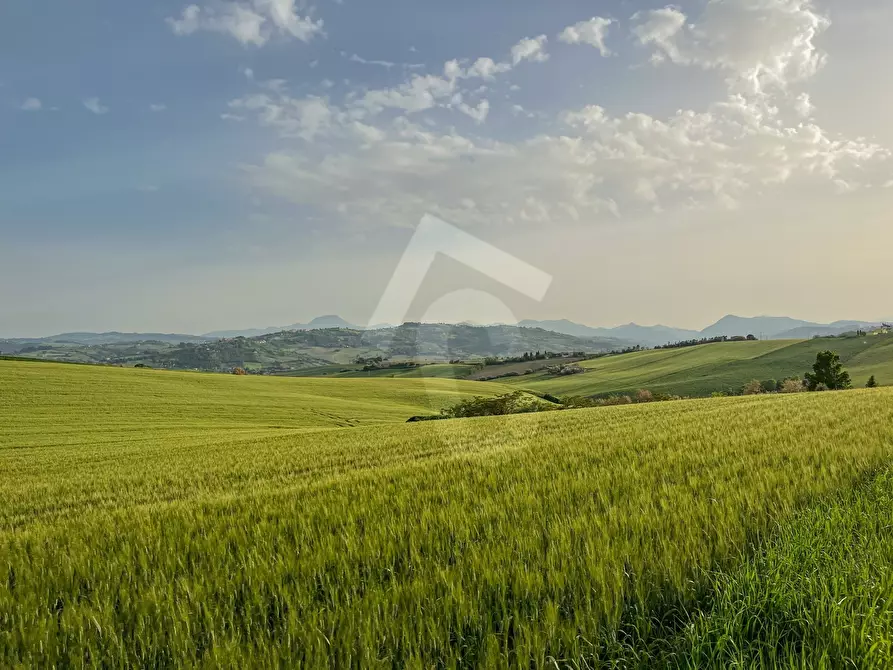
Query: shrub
872, 383
644, 395
239, 371
754, 387
792, 386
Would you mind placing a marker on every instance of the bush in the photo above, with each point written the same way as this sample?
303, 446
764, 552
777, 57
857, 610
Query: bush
511, 403
239, 371
792, 386
770, 386
754, 387
872, 383
644, 395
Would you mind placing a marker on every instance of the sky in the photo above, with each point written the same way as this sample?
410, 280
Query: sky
177, 167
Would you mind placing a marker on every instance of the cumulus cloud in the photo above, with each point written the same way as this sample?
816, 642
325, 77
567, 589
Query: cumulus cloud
530, 48
95, 106
359, 164
593, 32
250, 22
304, 118
599, 166
487, 68
761, 44
31, 105
478, 113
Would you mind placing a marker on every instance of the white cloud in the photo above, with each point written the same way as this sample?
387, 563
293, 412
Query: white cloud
593, 32
478, 113
359, 164
250, 22
157, 107
95, 106
763, 45
354, 58
598, 166
803, 105
530, 48
31, 105
304, 118
421, 92
487, 68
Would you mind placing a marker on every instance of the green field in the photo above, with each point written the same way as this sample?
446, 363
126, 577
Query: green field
430, 370
701, 370
158, 519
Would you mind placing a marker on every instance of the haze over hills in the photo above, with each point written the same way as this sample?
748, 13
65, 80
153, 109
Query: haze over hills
319, 323
762, 327
298, 349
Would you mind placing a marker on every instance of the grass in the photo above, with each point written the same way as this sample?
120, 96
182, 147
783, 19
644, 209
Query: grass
520, 541
701, 370
50, 403
818, 595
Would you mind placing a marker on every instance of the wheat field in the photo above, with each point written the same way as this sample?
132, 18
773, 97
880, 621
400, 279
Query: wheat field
177, 520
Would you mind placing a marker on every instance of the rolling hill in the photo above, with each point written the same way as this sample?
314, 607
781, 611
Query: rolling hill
164, 519
708, 368
216, 406
295, 350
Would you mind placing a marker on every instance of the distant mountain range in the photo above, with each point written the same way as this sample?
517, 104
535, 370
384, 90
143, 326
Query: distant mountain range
319, 323
297, 349
763, 327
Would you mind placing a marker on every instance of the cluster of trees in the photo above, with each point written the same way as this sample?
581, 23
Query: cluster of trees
564, 370
528, 356
827, 375
707, 340
511, 403
640, 397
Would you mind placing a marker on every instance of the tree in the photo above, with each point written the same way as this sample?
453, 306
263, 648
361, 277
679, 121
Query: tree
770, 386
792, 386
872, 383
644, 395
754, 387
828, 372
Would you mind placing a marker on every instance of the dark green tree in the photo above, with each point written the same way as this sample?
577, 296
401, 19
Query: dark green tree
828, 373
872, 383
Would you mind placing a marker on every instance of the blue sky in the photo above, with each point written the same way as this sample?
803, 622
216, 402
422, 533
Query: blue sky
180, 167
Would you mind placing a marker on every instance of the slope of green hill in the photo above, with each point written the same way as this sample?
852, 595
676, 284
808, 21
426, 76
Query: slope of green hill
701, 370
138, 405
151, 519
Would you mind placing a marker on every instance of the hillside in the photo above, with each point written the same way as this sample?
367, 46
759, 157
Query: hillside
145, 403
154, 519
296, 350
704, 369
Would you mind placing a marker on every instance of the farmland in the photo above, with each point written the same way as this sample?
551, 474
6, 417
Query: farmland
166, 519
701, 370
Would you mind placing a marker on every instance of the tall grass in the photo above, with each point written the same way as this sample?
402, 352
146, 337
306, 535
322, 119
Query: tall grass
509, 541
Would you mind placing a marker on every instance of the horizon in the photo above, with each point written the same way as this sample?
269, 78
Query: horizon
209, 333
